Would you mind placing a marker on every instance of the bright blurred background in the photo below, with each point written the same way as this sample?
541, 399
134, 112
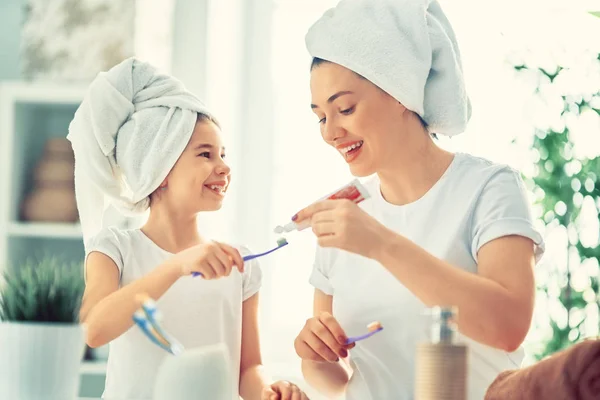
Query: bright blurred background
533, 74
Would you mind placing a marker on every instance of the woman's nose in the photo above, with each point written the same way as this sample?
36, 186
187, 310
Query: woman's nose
332, 131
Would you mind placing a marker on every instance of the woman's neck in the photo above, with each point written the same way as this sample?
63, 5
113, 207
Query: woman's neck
407, 178
171, 231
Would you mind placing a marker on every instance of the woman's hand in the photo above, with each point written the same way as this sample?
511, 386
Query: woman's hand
322, 339
344, 225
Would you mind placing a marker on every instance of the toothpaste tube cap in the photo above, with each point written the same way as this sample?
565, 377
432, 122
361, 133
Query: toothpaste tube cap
290, 226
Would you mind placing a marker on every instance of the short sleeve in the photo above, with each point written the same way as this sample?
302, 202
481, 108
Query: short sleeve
252, 276
107, 243
503, 209
319, 277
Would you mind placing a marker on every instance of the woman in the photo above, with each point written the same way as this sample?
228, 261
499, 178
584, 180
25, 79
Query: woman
440, 228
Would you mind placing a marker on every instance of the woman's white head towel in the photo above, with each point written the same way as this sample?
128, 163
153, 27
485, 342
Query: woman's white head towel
407, 48
127, 134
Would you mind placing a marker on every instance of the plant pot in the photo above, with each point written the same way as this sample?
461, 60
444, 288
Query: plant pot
40, 361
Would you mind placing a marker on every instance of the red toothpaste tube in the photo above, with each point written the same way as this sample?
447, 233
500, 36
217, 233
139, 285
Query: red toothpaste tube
354, 191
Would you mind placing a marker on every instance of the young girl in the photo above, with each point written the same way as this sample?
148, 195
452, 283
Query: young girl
142, 141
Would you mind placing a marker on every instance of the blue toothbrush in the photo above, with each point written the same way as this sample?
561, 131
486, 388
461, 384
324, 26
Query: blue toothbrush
147, 319
280, 243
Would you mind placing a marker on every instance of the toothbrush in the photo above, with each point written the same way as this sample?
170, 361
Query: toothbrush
282, 242
373, 328
140, 320
147, 318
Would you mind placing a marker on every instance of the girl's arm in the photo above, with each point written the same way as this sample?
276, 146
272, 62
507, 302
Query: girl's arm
255, 384
253, 379
107, 310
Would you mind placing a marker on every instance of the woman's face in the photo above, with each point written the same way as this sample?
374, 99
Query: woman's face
365, 124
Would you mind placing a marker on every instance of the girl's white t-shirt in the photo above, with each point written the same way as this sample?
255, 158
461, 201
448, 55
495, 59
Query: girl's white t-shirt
195, 311
473, 203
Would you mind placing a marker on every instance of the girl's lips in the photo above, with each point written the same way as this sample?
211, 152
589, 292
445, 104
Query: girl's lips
219, 190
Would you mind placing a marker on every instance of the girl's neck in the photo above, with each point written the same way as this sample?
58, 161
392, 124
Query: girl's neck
171, 231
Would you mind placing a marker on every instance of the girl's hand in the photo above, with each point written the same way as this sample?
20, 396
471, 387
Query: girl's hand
283, 390
212, 259
344, 225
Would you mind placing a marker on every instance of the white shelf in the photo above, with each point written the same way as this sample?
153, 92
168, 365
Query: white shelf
93, 368
44, 230
43, 92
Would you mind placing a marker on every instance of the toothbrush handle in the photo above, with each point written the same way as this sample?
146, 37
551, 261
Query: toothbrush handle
362, 337
250, 257
144, 325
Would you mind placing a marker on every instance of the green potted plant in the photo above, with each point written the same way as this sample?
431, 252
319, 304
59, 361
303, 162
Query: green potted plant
41, 340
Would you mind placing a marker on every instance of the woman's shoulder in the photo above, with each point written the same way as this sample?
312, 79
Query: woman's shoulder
478, 172
480, 165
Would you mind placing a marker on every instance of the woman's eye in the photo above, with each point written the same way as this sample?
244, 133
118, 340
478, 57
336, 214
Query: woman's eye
348, 111
205, 154
322, 120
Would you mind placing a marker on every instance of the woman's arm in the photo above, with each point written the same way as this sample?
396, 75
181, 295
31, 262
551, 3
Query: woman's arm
496, 305
329, 378
107, 310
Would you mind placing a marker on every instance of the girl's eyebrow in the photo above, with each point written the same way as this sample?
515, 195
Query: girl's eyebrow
206, 146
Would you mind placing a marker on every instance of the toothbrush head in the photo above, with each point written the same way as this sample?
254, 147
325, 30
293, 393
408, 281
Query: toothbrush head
282, 242
374, 326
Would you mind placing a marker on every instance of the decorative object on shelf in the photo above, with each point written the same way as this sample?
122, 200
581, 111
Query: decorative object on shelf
73, 40
53, 196
41, 340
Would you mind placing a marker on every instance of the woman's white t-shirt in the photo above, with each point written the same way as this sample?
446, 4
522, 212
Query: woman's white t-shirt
473, 203
195, 311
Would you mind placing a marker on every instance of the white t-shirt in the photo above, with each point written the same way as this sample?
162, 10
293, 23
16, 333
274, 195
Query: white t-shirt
195, 311
473, 203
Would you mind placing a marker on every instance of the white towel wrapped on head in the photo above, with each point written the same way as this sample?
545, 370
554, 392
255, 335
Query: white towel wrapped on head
127, 134
405, 47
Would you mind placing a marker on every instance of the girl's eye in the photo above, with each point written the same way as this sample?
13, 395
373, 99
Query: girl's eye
322, 120
205, 154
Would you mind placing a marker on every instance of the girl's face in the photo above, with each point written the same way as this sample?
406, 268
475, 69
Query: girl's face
365, 124
200, 178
